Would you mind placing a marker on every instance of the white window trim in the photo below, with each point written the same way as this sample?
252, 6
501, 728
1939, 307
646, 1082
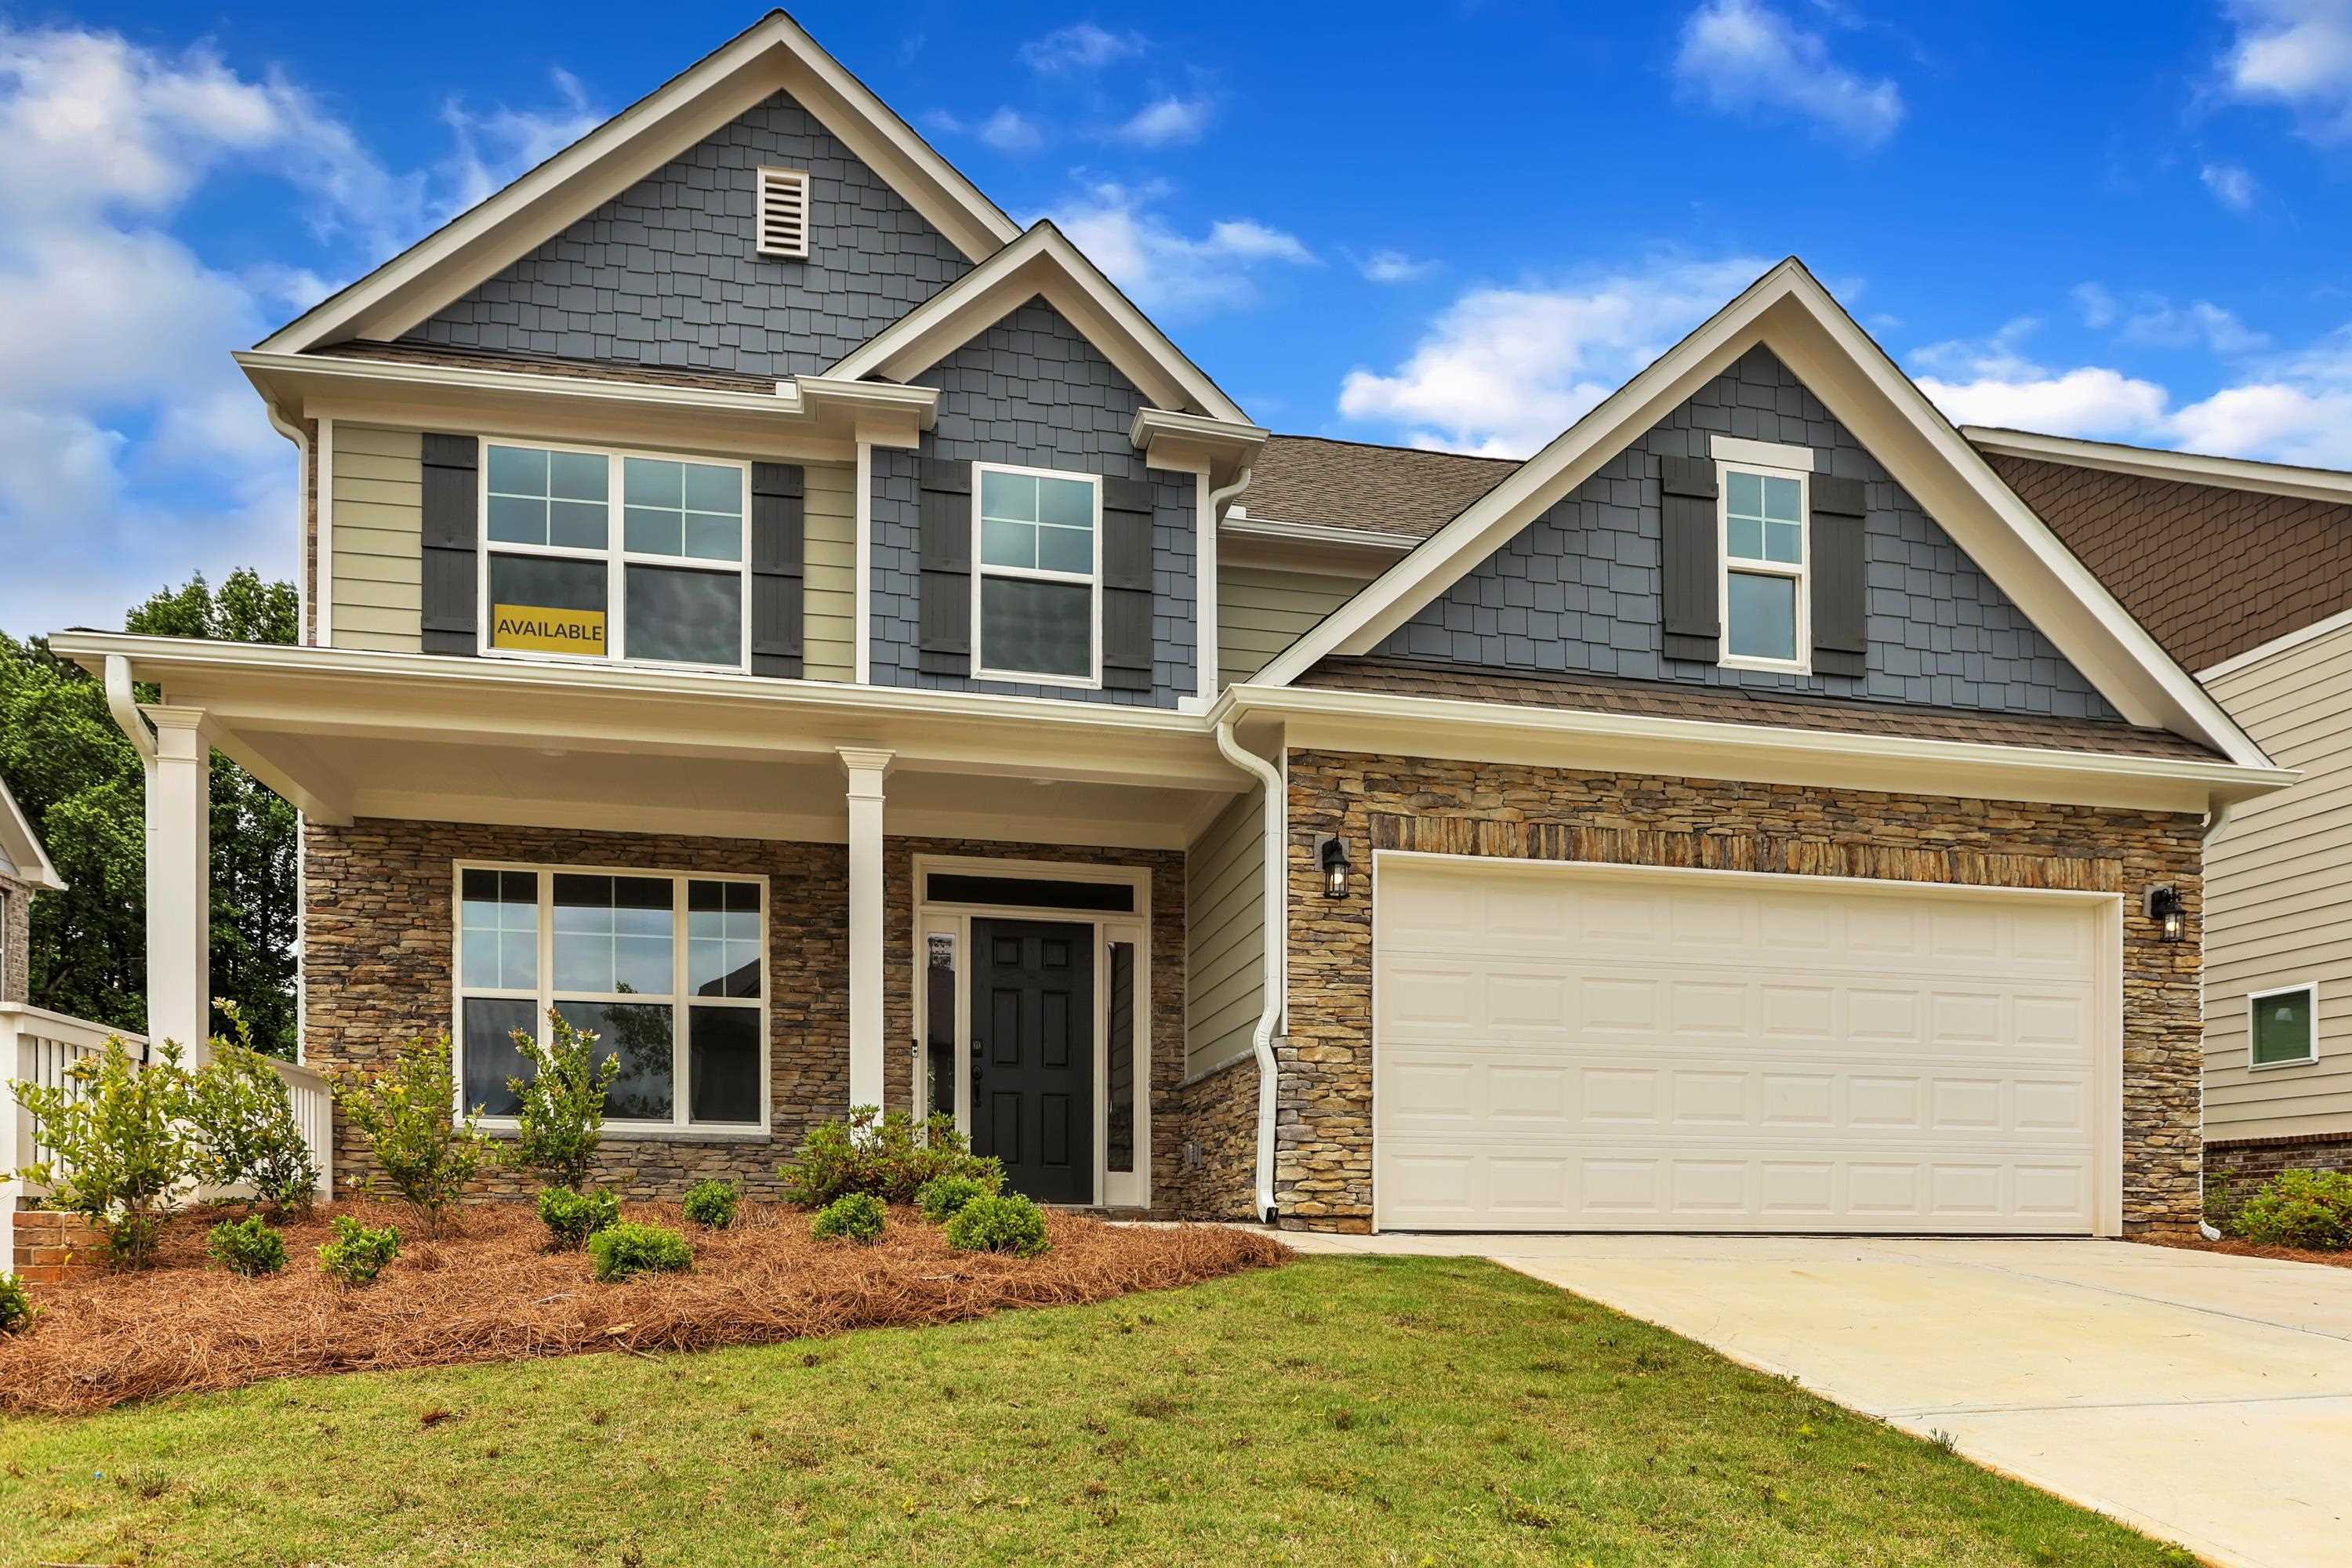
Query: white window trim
543, 996
1800, 572
1113, 1189
1092, 579
618, 559
2255, 998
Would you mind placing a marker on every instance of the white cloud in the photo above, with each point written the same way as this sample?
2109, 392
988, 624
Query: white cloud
492, 149
1167, 121
1742, 54
1504, 370
1082, 46
2152, 320
2297, 53
1161, 267
1007, 130
1394, 267
2232, 185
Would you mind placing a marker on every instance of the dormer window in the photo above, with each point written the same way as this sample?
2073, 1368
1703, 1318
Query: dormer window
783, 222
1766, 608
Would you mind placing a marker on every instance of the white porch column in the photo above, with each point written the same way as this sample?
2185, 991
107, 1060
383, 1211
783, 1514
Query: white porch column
866, 1046
179, 882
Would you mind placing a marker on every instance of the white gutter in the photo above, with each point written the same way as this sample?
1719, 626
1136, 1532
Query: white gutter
123, 703
1277, 987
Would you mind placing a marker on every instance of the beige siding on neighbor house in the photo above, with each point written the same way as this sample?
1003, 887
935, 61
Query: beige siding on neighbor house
2278, 895
829, 588
378, 521
1225, 956
1261, 610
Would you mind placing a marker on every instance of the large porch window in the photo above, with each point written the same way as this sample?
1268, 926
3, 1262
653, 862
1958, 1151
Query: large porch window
669, 970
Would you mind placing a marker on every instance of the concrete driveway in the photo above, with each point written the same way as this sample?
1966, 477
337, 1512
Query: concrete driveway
2204, 1399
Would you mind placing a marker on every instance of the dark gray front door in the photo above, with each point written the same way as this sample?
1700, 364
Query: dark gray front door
1033, 1055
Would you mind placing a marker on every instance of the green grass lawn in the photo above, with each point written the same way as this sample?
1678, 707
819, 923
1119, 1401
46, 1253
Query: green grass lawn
1340, 1410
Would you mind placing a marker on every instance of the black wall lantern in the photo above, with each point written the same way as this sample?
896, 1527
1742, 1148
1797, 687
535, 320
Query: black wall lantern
1331, 855
2162, 904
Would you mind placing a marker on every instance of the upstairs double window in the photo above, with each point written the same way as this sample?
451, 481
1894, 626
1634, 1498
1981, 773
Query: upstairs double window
601, 555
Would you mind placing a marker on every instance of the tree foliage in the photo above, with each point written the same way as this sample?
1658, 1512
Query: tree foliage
78, 780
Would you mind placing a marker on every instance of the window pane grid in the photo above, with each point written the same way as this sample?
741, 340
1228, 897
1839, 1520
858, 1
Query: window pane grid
1037, 574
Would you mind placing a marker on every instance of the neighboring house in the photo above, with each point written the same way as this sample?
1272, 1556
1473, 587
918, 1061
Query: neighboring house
24, 870
765, 604
2243, 571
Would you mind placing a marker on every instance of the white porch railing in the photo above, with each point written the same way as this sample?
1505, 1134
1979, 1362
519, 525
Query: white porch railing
39, 1046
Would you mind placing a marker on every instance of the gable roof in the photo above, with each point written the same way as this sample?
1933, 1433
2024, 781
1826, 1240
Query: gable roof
1789, 311
774, 54
1356, 485
22, 846
1042, 263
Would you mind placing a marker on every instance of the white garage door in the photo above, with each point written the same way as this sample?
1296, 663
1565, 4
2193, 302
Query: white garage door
1583, 1047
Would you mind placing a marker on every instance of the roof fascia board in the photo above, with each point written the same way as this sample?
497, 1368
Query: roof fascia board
1042, 262
1240, 525
774, 55
24, 845
1386, 724
2181, 467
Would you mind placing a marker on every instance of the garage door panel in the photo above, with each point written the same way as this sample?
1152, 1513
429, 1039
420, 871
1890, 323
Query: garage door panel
1575, 1052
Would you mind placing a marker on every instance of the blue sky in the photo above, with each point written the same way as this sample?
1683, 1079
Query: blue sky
1456, 226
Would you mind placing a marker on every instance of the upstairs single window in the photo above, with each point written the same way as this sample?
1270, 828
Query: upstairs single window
1039, 582
783, 222
1764, 601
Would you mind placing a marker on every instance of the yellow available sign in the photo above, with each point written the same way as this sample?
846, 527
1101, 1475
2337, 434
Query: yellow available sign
544, 630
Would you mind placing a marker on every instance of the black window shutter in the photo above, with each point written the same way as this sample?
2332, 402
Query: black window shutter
946, 593
1841, 645
451, 622
1127, 584
1694, 628
779, 551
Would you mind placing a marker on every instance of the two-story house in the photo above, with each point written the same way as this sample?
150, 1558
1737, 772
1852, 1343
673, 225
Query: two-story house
766, 605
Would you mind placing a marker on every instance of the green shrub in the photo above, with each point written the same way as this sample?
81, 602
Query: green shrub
358, 1253
889, 1157
853, 1216
2300, 1208
251, 1247
629, 1248
563, 1111
943, 1198
572, 1217
712, 1204
424, 1153
121, 1152
17, 1309
1000, 1222
243, 1116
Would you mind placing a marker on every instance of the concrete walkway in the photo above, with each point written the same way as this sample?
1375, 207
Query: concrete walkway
2202, 1399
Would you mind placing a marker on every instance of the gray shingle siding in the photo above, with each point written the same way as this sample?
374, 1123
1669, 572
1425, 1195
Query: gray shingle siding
1578, 589
666, 274
1030, 390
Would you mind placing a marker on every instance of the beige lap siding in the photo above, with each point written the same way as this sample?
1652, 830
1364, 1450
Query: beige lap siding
1225, 876
377, 538
1262, 610
1324, 1154
829, 588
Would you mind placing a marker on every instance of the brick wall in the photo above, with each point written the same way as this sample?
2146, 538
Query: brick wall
2235, 1168
15, 940
1324, 1156
53, 1247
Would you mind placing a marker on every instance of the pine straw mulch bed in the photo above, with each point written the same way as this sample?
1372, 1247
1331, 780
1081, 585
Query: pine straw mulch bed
2237, 1248
488, 1290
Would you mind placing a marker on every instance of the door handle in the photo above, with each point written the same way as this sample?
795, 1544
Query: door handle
979, 1061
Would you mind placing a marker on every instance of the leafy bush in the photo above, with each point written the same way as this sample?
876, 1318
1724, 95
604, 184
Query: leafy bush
17, 1309
572, 1217
243, 1116
853, 1216
2300, 1208
122, 1154
1000, 1222
563, 1110
943, 1198
424, 1153
629, 1248
359, 1252
251, 1247
880, 1155
713, 1204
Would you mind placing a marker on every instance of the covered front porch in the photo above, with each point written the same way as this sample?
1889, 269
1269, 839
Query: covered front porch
777, 898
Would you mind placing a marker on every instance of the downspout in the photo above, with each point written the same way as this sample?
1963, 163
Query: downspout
2217, 817
301, 440
123, 703
1218, 498
1277, 906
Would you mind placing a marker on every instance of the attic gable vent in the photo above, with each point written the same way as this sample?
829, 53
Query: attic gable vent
784, 212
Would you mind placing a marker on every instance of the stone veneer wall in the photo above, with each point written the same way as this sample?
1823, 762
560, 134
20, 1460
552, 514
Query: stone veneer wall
2235, 1167
1323, 1153
1217, 1171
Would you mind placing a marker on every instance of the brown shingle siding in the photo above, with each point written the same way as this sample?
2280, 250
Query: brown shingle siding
2211, 572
